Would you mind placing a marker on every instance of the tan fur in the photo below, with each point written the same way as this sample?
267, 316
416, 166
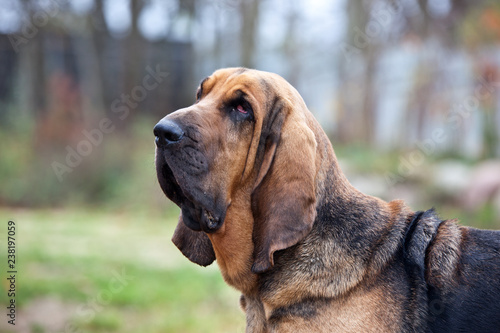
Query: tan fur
233, 247
364, 310
443, 255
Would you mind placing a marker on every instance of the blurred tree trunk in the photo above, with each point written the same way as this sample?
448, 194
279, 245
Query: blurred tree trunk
357, 96
38, 79
33, 65
133, 64
418, 105
488, 111
367, 121
132, 48
220, 31
217, 48
188, 7
99, 37
249, 10
290, 46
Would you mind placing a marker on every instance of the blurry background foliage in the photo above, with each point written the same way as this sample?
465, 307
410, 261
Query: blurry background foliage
407, 90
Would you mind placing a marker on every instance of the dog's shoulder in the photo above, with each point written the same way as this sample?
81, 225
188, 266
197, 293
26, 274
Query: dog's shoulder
471, 301
479, 259
459, 268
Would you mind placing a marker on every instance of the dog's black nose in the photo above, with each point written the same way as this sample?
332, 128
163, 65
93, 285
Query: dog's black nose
166, 131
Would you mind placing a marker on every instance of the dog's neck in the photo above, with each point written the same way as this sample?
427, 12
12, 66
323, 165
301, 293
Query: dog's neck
344, 216
330, 261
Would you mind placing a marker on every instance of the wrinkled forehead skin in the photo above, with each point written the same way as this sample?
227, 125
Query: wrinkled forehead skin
263, 90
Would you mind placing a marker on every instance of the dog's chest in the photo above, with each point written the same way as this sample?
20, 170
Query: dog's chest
362, 311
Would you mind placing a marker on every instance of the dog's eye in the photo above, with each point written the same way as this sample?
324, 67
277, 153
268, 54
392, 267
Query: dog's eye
240, 109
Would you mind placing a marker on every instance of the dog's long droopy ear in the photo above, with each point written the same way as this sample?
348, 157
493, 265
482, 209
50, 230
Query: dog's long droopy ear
283, 201
195, 245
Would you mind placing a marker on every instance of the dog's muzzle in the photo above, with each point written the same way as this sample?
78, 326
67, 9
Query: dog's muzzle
180, 169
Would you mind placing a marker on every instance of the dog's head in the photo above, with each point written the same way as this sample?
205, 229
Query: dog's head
247, 143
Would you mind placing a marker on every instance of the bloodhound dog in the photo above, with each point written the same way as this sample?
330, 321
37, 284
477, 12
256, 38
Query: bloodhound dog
261, 191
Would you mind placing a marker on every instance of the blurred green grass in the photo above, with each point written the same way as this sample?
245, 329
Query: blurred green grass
73, 257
